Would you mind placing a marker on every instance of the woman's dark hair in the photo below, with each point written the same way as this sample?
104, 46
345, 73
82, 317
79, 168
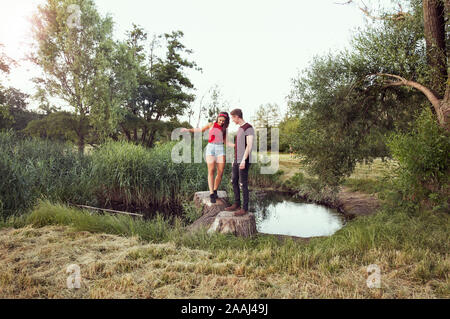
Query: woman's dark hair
225, 125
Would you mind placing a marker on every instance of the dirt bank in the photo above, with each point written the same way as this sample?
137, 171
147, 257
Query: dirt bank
354, 204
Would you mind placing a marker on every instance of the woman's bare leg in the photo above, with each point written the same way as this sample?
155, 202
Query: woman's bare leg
211, 161
220, 168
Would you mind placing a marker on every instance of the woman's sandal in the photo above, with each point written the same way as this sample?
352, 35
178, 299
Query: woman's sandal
213, 198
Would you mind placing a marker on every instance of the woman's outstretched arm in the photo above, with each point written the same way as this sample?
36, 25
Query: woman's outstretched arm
197, 129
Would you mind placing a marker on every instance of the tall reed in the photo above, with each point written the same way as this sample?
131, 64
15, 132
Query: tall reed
135, 175
32, 168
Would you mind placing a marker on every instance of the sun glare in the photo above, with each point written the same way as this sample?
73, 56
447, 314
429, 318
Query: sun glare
15, 27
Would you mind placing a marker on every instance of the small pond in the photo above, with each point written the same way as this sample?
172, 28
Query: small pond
281, 214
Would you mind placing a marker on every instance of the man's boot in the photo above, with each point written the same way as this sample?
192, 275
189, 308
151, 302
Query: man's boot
233, 207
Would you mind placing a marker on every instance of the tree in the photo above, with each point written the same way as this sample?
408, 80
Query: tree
267, 116
129, 68
13, 102
213, 104
61, 126
44, 104
288, 126
345, 108
6, 119
162, 91
216, 104
74, 58
5, 61
435, 20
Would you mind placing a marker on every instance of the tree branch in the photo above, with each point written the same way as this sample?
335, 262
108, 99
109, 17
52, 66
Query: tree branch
400, 15
426, 91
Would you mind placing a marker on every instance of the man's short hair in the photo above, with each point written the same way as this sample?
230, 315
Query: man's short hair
237, 112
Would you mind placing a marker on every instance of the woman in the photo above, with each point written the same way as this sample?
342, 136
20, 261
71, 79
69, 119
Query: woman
215, 150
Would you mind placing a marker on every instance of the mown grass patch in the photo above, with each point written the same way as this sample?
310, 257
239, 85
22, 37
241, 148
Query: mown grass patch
410, 248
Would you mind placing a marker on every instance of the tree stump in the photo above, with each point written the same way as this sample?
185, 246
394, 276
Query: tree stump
226, 222
209, 210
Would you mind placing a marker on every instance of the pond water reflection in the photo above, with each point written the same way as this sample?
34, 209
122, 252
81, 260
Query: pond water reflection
280, 213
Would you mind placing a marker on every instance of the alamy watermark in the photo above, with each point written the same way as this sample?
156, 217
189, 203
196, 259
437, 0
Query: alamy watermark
74, 279
181, 152
374, 276
74, 19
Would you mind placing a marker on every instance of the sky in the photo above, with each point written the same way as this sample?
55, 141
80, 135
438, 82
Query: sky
251, 49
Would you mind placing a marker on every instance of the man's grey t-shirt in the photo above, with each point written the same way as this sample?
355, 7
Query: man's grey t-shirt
240, 142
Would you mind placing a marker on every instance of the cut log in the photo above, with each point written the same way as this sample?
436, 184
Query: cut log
226, 222
209, 210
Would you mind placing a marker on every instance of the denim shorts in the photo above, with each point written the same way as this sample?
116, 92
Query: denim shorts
215, 149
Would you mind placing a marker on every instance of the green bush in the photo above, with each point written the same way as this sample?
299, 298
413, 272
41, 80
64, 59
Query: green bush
422, 177
263, 180
312, 189
191, 212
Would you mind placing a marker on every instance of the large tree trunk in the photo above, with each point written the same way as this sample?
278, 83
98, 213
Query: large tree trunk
151, 138
434, 28
126, 131
438, 93
80, 132
445, 104
434, 15
144, 135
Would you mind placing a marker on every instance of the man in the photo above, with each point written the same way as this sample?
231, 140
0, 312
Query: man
242, 151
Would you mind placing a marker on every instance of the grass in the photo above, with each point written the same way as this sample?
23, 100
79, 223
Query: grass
124, 257
367, 178
33, 168
47, 213
369, 186
133, 174
373, 170
117, 173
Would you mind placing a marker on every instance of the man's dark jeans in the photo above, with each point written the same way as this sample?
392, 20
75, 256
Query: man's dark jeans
240, 176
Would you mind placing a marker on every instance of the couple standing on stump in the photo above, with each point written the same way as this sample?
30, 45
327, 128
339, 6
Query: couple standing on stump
215, 154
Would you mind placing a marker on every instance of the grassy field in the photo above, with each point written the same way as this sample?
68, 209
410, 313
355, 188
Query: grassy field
124, 258
366, 178
290, 165
121, 257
